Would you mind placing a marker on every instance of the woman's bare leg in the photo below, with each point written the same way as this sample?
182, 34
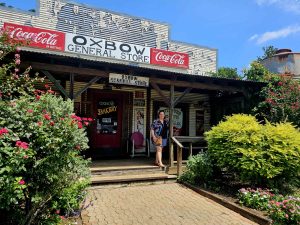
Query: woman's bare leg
159, 155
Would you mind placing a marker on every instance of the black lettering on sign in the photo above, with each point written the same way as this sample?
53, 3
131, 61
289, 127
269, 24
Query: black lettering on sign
110, 45
79, 40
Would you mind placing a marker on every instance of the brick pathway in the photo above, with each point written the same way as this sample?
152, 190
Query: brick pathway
158, 205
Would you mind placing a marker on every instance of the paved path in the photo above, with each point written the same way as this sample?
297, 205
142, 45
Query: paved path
160, 204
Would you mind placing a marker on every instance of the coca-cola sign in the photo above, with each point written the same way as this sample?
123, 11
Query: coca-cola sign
168, 58
36, 37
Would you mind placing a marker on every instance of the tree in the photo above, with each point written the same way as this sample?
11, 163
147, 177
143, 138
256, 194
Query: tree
281, 100
257, 72
227, 72
269, 51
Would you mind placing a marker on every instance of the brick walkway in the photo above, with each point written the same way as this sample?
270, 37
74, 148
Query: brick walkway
158, 205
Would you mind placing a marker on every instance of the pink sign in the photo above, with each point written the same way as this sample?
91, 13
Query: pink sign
37, 37
168, 58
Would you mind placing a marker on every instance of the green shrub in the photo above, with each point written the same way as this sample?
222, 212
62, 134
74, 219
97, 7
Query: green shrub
263, 154
198, 169
41, 167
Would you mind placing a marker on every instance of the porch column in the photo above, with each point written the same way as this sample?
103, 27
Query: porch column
171, 146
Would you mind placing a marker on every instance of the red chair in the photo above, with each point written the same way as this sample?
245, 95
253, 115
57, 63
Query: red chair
140, 145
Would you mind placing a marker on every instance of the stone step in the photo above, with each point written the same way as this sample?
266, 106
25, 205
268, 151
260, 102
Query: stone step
128, 170
131, 179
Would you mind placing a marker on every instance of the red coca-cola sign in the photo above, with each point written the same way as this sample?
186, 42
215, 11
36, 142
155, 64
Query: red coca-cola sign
36, 37
168, 58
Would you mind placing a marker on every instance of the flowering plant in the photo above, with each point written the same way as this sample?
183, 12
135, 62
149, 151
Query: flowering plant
282, 100
42, 172
282, 210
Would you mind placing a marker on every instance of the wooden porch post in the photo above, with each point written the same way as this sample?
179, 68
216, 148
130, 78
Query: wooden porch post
71, 94
171, 145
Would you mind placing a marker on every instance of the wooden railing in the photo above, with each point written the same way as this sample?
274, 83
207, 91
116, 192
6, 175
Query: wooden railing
178, 140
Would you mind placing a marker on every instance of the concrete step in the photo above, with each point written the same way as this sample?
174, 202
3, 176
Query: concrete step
131, 179
116, 171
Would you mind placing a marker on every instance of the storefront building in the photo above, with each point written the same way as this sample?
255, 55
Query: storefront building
120, 70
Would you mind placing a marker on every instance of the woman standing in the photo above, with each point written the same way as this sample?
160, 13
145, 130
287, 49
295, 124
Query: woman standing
159, 134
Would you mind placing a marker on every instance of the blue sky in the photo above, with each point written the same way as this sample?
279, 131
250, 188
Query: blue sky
237, 28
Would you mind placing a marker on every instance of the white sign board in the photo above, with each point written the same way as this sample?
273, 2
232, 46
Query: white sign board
103, 48
115, 78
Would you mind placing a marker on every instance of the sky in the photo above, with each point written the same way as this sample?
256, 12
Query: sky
239, 29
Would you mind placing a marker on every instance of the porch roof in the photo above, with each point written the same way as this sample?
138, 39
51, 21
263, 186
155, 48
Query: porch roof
87, 67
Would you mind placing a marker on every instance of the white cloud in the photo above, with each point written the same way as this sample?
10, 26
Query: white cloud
272, 35
287, 5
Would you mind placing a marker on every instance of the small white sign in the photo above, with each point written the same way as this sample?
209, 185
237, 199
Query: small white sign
115, 78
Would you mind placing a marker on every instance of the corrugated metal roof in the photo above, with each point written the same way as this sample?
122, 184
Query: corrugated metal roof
178, 72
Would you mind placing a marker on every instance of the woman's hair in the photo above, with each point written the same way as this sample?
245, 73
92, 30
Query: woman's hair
160, 111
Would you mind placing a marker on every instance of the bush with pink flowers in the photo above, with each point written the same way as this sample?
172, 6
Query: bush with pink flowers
42, 173
282, 210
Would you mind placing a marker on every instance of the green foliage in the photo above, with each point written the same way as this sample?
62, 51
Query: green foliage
42, 172
227, 72
14, 83
263, 154
282, 210
285, 212
40, 156
198, 169
269, 51
281, 100
256, 198
257, 72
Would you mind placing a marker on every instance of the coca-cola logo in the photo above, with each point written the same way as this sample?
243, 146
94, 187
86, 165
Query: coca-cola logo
173, 59
36, 37
41, 37
168, 58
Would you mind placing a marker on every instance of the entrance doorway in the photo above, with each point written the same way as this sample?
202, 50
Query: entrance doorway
108, 135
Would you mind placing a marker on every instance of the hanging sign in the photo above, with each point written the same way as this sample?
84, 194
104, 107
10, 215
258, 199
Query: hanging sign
115, 78
36, 37
92, 46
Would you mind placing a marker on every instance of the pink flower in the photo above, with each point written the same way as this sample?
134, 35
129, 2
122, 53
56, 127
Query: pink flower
86, 123
39, 123
21, 182
46, 86
21, 144
30, 111
47, 116
18, 49
286, 216
90, 119
37, 97
51, 123
3, 131
57, 211
79, 125
18, 61
16, 70
17, 56
25, 156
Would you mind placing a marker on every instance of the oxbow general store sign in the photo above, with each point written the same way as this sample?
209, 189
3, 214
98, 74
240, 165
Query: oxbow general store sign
85, 45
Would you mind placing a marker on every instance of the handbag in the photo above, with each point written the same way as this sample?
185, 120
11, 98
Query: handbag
158, 141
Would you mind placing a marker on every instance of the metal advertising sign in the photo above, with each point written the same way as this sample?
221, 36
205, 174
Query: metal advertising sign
36, 37
128, 80
170, 59
103, 48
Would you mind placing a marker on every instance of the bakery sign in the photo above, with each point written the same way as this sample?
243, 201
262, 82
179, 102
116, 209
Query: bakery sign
115, 78
103, 48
